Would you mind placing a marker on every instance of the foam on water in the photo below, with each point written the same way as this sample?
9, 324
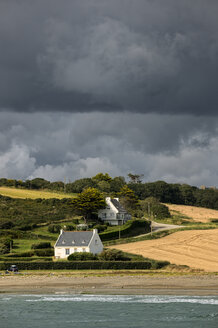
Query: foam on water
125, 299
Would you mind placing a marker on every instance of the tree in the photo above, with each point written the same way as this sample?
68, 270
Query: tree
151, 206
88, 203
102, 177
128, 198
135, 178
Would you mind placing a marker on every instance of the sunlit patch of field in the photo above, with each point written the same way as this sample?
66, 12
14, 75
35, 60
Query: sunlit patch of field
197, 214
196, 248
33, 194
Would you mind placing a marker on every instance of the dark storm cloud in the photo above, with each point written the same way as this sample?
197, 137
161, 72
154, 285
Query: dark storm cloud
56, 146
142, 56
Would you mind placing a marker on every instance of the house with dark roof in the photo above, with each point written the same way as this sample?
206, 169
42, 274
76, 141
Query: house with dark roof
70, 242
114, 213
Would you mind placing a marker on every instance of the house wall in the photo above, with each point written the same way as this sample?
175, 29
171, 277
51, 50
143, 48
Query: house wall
109, 214
60, 252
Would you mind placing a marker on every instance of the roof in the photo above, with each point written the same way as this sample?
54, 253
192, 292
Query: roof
118, 206
74, 238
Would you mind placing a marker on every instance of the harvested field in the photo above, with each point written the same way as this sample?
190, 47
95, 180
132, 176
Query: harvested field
197, 214
196, 248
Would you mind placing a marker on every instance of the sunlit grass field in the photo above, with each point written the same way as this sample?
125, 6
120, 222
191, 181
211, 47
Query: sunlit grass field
33, 194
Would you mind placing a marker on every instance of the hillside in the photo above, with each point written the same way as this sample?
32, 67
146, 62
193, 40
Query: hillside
196, 214
32, 194
196, 248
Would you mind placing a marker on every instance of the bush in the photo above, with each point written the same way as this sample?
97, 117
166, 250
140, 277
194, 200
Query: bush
6, 225
26, 227
23, 254
44, 252
41, 245
100, 227
79, 256
69, 227
112, 255
5, 245
152, 206
54, 228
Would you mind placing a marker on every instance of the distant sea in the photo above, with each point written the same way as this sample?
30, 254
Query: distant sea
93, 311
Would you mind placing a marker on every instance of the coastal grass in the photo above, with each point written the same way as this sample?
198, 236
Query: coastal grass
33, 194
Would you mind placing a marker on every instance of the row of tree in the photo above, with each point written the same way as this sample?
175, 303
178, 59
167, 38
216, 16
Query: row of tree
164, 192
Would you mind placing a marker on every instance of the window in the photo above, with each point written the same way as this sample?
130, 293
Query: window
67, 251
96, 241
84, 250
75, 250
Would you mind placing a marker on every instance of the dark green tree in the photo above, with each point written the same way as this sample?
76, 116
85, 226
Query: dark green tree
135, 178
88, 203
128, 198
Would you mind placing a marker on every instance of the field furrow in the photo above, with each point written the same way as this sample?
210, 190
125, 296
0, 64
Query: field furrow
197, 249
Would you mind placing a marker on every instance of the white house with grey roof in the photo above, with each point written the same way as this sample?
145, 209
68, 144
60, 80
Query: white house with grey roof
114, 213
70, 242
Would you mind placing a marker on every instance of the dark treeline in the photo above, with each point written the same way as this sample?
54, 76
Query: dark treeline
164, 192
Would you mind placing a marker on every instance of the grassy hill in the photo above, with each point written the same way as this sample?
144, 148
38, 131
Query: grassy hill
32, 194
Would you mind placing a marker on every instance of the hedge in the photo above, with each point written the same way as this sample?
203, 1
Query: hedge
24, 259
126, 230
82, 265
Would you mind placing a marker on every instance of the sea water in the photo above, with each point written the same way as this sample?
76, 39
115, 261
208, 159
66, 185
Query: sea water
93, 311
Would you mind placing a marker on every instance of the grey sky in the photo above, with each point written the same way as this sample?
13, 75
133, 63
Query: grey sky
118, 86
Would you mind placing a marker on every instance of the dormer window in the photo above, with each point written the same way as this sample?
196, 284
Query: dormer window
63, 242
73, 241
96, 241
83, 242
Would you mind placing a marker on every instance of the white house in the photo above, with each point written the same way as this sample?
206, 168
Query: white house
70, 242
114, 213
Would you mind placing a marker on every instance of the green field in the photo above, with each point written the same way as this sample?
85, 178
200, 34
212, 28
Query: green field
32, 194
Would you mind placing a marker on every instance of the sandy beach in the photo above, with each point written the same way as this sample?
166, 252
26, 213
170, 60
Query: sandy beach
111, 283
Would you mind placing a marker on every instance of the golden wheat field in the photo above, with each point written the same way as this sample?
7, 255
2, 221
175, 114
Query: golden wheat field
196, 248
33, 194
198, 214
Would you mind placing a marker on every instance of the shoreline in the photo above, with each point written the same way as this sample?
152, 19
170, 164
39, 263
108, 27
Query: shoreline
111, 284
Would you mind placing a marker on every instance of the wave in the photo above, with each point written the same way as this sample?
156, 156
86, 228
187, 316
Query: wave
125, 299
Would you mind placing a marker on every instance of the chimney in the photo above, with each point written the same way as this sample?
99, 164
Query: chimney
61, 231
95, 231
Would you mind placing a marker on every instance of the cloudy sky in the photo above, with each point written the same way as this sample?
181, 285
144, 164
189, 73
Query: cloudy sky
117, 86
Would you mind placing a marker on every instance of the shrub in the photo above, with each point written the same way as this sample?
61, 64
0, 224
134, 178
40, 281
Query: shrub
100, 227
113, 255
44, 252
54, 228
80, 256
41, 245
69, 227
23, 254
152, 205
5, 245
6, 225
26, 227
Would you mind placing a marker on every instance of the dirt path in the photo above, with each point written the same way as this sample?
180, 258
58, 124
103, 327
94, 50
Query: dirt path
196, 248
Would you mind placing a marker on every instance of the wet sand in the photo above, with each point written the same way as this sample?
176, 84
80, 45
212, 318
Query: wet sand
124, 284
